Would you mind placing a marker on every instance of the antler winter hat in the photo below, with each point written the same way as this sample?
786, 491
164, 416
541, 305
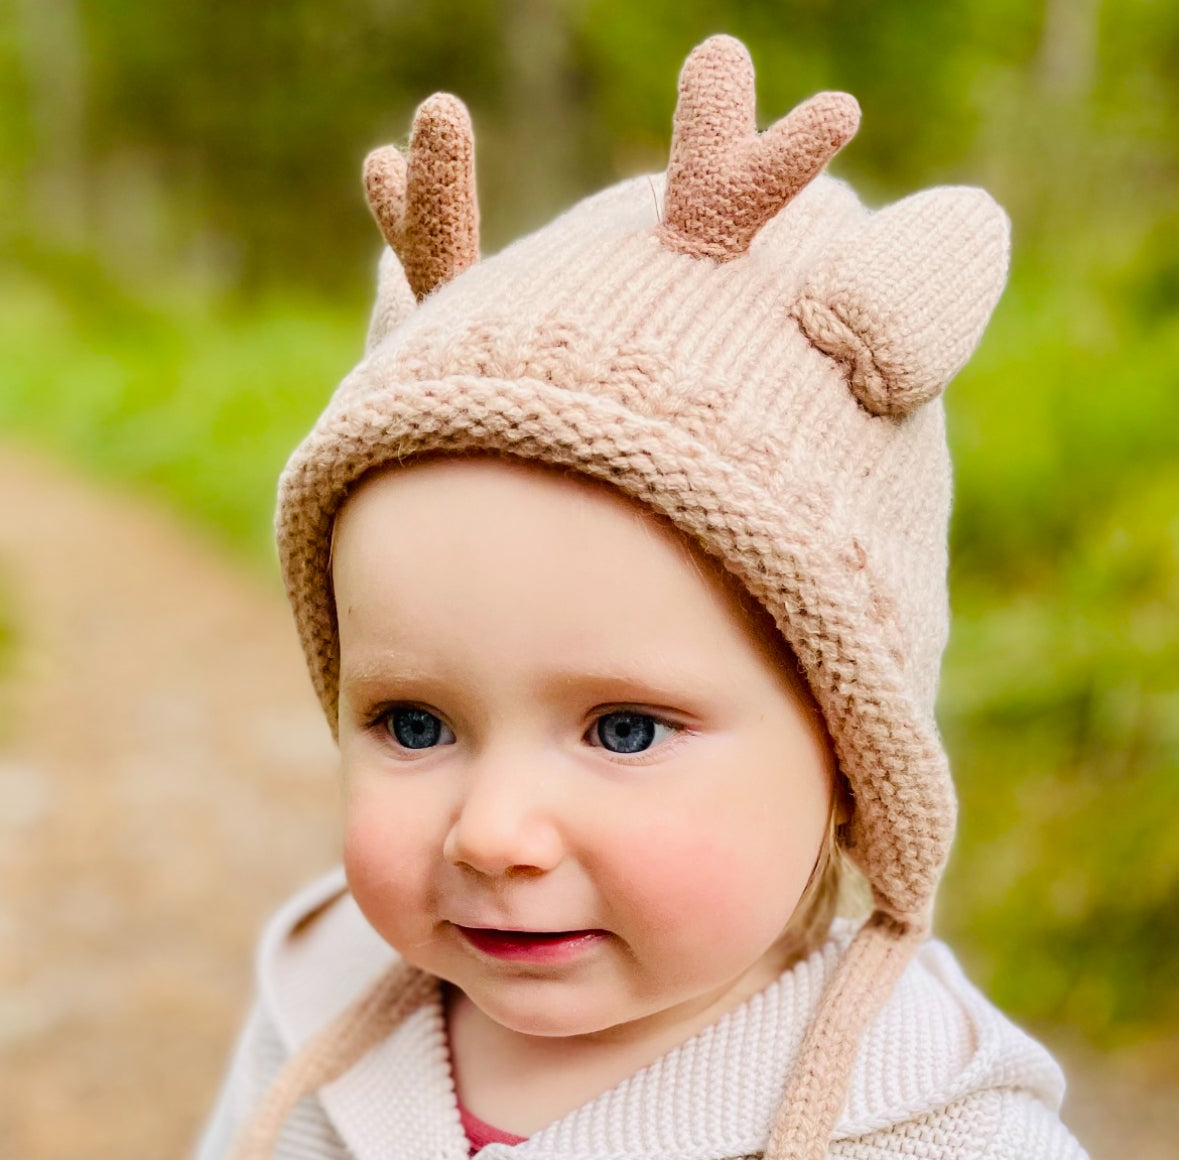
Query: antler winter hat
744, 348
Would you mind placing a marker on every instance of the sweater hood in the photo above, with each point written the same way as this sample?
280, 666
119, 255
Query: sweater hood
936, 1041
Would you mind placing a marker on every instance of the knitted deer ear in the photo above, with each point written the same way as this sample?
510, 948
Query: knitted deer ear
903, 301
426, 204
724, 180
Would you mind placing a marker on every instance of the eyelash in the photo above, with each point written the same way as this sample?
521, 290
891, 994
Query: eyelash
380, 719
673, 730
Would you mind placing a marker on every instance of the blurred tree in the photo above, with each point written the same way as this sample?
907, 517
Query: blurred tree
50, 41
237, 129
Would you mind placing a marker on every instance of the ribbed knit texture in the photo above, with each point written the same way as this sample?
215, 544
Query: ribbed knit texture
745, 349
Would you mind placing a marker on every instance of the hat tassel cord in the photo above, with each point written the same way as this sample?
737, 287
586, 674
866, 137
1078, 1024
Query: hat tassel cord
331, 1052
818, 1084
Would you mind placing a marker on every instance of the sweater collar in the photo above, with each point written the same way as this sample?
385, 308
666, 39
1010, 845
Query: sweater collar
936, 1040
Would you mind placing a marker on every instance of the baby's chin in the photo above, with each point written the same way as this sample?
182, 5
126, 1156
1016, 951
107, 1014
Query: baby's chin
585, 1016
547, 1009
532, 1010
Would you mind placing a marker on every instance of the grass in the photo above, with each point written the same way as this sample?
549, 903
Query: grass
1060, 702
197, 402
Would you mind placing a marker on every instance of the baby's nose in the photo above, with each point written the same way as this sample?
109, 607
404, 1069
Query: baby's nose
503, 824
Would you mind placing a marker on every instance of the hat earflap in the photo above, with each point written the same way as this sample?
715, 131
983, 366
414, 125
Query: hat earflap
903, 300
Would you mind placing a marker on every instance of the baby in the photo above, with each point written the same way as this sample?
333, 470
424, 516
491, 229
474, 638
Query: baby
619, 565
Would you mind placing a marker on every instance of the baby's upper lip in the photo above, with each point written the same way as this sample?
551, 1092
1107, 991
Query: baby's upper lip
509, 928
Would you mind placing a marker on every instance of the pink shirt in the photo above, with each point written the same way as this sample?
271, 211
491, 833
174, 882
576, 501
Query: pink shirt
480, 1133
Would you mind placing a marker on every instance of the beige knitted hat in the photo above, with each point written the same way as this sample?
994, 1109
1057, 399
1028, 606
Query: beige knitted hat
743, 347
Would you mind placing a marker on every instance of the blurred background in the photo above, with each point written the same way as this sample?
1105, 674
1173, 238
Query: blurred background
186, 271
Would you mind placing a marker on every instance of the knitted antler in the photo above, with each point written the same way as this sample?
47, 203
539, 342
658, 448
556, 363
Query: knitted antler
724, 180
426, 206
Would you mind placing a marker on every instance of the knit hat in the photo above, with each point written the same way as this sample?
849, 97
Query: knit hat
745, 349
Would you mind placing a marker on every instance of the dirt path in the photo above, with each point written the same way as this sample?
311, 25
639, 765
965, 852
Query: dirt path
166, 778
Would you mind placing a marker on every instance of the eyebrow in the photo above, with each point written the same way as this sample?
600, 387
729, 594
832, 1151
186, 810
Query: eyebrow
653, 684
372, 670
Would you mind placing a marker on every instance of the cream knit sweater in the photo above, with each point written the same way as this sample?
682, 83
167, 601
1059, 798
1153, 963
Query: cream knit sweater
941, 1074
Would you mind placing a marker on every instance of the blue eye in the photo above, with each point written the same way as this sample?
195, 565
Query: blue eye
628, 732
415, 728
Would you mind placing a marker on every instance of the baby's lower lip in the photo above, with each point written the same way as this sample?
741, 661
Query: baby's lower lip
530, 947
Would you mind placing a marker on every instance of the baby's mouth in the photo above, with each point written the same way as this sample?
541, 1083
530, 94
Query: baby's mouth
531, 946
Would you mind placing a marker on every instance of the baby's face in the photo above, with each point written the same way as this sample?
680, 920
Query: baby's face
579, 785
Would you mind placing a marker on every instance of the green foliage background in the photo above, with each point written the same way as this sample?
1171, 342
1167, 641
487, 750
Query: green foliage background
186, 274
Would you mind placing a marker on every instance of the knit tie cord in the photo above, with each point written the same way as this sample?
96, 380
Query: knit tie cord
331, 1052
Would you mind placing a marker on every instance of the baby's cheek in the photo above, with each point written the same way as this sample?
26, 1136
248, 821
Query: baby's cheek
696, 887
382, 869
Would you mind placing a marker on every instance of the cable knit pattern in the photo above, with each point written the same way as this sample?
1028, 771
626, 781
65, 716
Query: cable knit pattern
940, 1074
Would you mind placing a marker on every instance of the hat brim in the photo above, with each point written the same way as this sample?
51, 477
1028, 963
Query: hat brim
783, 547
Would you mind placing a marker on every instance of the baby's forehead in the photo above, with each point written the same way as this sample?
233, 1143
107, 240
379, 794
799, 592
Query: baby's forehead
558, 531
508, 489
